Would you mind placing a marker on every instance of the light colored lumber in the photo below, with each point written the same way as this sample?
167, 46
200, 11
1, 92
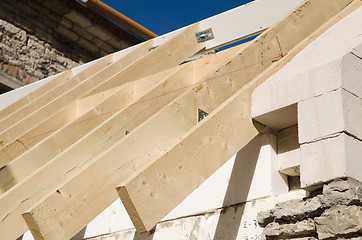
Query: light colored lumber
174, 52
53, 93
62, 77
97, 70
33, 135
139, 69
256, 16
147, 196
245, 13
128, 120
42, 181
59, 140
63, 211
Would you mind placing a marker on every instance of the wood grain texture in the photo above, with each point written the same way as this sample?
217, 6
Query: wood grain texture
60, 139
53, 93
135, 70
117, 161
56, 81
208, 145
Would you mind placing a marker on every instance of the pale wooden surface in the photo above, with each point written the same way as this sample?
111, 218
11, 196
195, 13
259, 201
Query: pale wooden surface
59, 140
134, 70
35, 94
181, 55
129, 120
147, 196
45, 106
53, 93
173, 126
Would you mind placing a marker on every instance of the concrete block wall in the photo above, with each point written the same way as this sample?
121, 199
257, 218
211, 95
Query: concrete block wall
320, 90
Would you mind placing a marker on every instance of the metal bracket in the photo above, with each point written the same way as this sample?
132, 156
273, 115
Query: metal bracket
152, 48
126, 132
201, 114
205, 35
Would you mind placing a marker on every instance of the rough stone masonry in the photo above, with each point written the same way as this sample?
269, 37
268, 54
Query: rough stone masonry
26, 58
333, 211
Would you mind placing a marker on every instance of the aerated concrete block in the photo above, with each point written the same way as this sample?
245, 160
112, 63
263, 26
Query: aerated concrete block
334, 157
332, 61
330, 113
289, 152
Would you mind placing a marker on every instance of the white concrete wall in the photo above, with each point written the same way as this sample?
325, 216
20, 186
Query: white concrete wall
251, 174
322, 85
328, 63
250, 177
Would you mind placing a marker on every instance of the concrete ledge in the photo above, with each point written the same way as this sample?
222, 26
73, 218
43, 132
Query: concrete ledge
289, 152
332, 61
330, 113
233, 222
334, 157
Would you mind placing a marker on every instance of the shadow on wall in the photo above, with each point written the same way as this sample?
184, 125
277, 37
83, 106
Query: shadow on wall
144, 236
238, 189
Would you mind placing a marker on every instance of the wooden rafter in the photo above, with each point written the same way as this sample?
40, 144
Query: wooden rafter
103, 108
62, 77
63, 109
131, 119
39, 183
133, 126
53, 93
149, 197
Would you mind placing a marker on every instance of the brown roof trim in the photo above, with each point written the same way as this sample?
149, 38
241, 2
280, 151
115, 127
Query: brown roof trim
119, 17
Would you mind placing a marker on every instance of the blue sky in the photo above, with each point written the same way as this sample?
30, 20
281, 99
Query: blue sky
164, 16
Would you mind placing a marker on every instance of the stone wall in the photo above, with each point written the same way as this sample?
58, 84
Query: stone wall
26, 58
42, 37
331, 212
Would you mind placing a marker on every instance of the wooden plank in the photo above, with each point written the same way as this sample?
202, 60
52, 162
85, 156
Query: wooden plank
43, 181
259, 16
147, 197
60, 139
139, 69
130, 120
43, 100
53, 93
35, 94
55, 215
34, 135
174, 52
245, 13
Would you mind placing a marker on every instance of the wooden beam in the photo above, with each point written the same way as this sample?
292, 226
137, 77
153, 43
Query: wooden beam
99, 67
63, 212
129, 120
61, 167
149, 197
174, 52
43, 181
139, 69
60, 139
33, 135
62, 77
52, 93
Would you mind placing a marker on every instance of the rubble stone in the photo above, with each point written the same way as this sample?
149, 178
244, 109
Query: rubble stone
334, 213
299, 229
339, 220
342, 191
